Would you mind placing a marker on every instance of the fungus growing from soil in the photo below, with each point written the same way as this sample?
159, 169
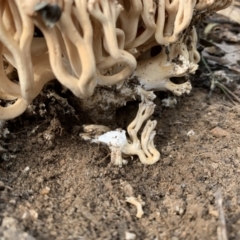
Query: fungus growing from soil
93, 45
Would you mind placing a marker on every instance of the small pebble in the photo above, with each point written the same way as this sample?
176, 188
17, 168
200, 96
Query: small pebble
33, 214
2, 186
214, 165
219, 132
130, 236
45, 191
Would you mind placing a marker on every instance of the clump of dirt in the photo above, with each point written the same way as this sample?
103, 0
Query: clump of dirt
60, 187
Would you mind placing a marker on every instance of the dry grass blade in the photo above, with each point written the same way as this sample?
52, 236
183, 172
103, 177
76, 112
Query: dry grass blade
221, 230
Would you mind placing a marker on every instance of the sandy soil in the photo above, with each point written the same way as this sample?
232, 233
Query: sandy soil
53, 185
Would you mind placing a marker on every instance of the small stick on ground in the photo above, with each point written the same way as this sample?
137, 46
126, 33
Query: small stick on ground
221, 230
228, 92
215, 82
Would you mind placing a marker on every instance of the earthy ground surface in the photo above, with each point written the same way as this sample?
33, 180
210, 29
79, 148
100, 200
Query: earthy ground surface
53, 185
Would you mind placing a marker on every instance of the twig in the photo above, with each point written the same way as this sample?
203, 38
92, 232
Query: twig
215, 82
228, 91
211, 76
221, 230
103, 159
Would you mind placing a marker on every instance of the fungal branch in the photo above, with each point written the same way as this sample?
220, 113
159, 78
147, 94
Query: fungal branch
173, 18
107, 13
16, 30
91, 44
144, 147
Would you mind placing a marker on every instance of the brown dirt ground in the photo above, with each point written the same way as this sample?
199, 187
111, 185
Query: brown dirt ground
70, 190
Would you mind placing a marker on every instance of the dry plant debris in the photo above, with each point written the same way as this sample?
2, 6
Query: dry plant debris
221, 54
222, 230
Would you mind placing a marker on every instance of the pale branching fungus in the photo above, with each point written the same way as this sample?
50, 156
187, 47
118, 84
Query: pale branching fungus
91, 45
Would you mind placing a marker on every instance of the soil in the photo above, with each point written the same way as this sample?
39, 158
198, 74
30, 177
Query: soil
54, 185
